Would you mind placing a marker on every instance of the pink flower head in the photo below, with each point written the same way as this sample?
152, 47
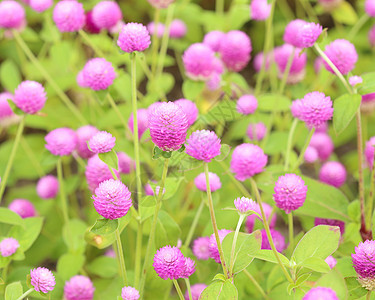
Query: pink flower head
126, 164
214, 180
23, 207
40, 5
199, 61
61, 141
189, 268
96, 172
112, 199
160, 29
148, 190
291, 33
235, 49
5, 109
370, 151
214, 82
268, 211
333, 173
245, 205
177, 29
134, 37
12, 14
331, 261
323, 143
316, 109
110, 253
308, 34
277, 238
168, 126
106, 14
98, 74
354, 80
363, 263
8, 246
311, 155
370, 7
142, 120
129, 293
79, 288
81, 80
331, 222
318, 63
201, 248
69, 16
256, 131
212, 246
247, 104
258, 61
102, 142
203, 145
343, 55
320, 293
260, 10
42, 280
90, 26
247, 160
169, 262
290, 192
30, 97
371, 36
296, 108
368, 103
84, 134
196, 291
213, 39
47, 187
160, 3
190, 109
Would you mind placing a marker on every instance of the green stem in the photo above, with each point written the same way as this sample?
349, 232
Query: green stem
187, 281
12, 155
238, 184
368, 295
155, 43
358, 25
64, 204
87, 39
120, 256
178, 289
287, 71
231, 264
361, 178
370, 201
259, 288
309, 10
289, 145
113, 173
25, 294
302, 154
194, 224
291, 231
119, 115
138, 255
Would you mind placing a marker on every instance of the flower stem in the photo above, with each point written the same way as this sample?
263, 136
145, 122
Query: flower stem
119, 114
291, 231
120, 257
368, 295
178, 289
219, 7
12, 155
90, 43
155, 42
238, 184
138, 255
194, 224
302, 154
187, 281
231, 264
259, 288
286, 72
289, 145
64, 204
25, 294
370, 202
362, 21
213, 220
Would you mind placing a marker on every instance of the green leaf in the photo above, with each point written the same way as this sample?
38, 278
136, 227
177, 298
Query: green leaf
100, 96
103, 266
104, 226
220, 290
273, 102
345, 107
167, 230
110, 159
238, 16
69, 265
73, 234
13, 291
269, 256
355, 289
191, 89
157, 153
344, 13
368, 84
335, 281
219, 277
224, 152
162, 85
300, 280
316, 264
10, 76
27, 235
8, 216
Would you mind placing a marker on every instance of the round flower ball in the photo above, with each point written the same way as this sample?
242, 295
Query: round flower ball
333, 173
42, 280
245, 205
320, 293
112, 199
316, 108
96, 172
260, 10
214, 180
177, 29
12, 14
160, 3
363, 263
343, 55
368, 103
40, 5
311, 155
8, 246
102, 142
23, 207
5, 109
190, 109
189, 268
370, 7
331, 222
84, 134
212, 246
278, 240
256, 131
30, 97
98, 74
134, 37
79, 288
331, 261
168, 126
291, 32
268, 211
196, 291
160, 29
290, 192
258, 61
106, 14
90, 26
199, 62
169, 262
213, 39
142, 118
370, 151
203, 145
69, 16
129, 293
354, 80
125, 163
201, 248
308, 34
247, 160
323, 143
247, 104
61, 141
47, 187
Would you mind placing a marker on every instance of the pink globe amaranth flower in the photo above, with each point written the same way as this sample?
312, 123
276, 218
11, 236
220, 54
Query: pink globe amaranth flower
277, 238
201, 248
212, 246
134, 37
245, 205
40, 5
102, 142
214, 180
169, 262
30, 97
213, 39
84, 134
5, 109
203, 145
23, 207
199, 61
98, 74
8, 246
189, 268
235, 49
79, 288
308, 34
69, 16
343, 55
268, 211
258, 61
81, 80
117, 28
190, 109
106, 14
368, 103
160, 3
331, 222
152, 106
47, 187
320, 293
311, 155
12, 14
363, 263
370, 151
354, 80
371, 36
256, 131
333, 173
292, 31
296, 108
112, 199
247, 104
177, 29
318, 63
142, 118
323, 143
214, 83
61, 141
90, 26
96, 172
160, 29
168, 126
316, 109
42, 280
290, 192
129, 293
110, 253
260, 10
247, 160
126, 163
148, 190
196, 291
370, 7
331, 261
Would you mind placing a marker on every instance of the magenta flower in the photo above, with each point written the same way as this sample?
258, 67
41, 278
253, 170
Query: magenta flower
30, 97
112, 199
189, 268
370, 151
90, 26
196, 291
370, 7
160, 3
79, 288
333, 173
169, 262
47, 187
12, 14
142, 118
5, 109
214, 180
199, 62
331, 261
23, 207
371, 36
8, 246
354, 80
290, 192
69, 16
343, 55
316, 109
61, 141
84, 134
368, 103
102, 142
323, 143
213, 39
245, 205
260, 10
277, 238
291, 33
160, 29
96, 172
363, 263
40, 5
126, 164
81, 80
134, 37
268, 211
190, 109
296, 108
258, 61
256, 131
212, 246
148, 190
311, 155
106, 14
177, 29
129, 293
320, 293
98, 74
214, 82
203, 145
247, 104
42, 280
201, 248
308, 34
331, 222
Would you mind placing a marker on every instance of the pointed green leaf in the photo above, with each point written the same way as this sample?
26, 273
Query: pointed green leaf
26, 236
104, 226
8, 216
220, 290
13, 291
110, 159
344, 110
